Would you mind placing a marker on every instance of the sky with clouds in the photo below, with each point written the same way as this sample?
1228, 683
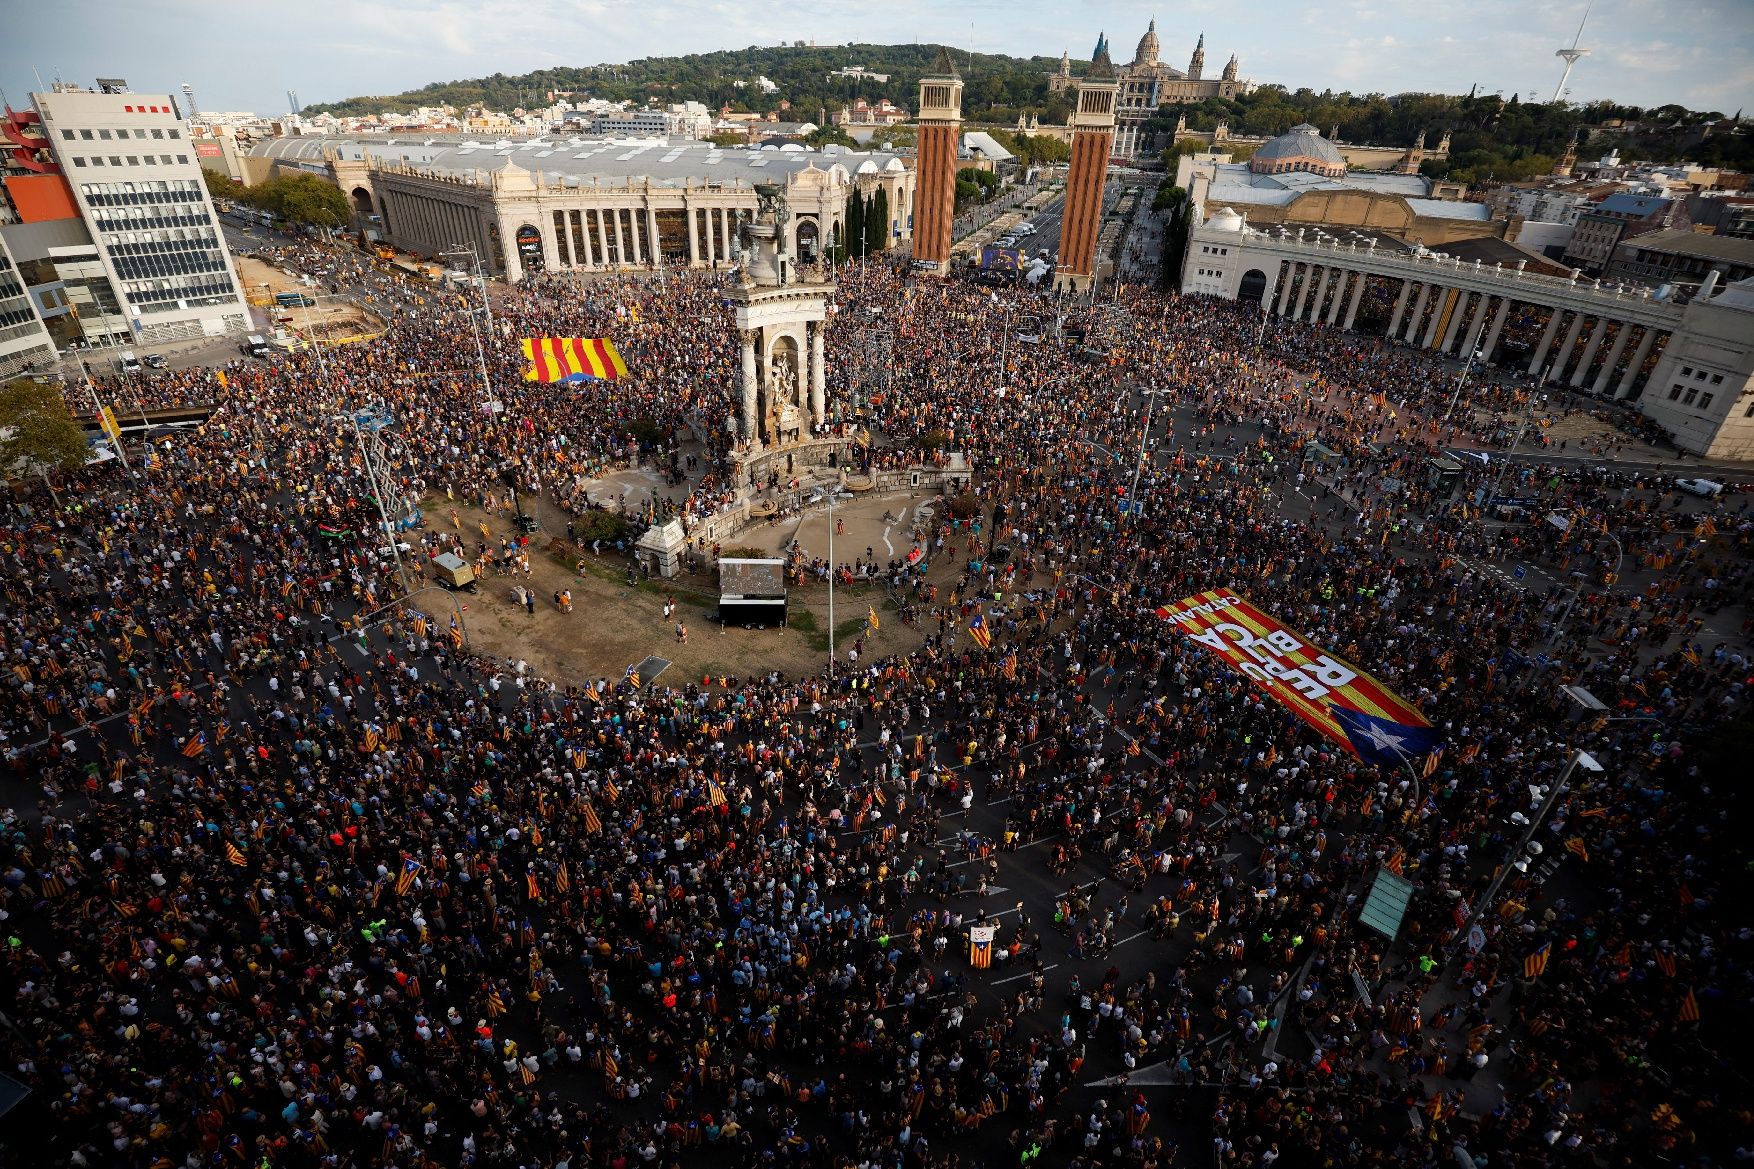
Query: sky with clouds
244, 55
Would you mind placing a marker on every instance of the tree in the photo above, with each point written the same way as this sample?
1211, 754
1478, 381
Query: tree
729, 138
38, 433
220, 186
855, 238
829, 136
305, 199
877, 221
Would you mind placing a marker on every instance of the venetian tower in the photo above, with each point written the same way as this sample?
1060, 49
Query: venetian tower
1093, 130
940, 123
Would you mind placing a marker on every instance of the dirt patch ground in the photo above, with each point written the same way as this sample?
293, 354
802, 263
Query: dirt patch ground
331, 317
613, 626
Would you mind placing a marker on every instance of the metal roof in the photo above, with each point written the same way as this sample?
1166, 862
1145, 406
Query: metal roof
1681, 242
1450, 209
667, 162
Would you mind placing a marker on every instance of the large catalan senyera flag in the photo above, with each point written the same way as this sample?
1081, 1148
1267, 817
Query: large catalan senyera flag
1327, 692
572, 359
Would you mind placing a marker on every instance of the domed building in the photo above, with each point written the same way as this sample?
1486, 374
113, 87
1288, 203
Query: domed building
1146, 84
1300, 177
1301, 149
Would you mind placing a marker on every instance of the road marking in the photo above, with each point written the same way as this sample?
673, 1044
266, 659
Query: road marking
1131, 938
1025, 974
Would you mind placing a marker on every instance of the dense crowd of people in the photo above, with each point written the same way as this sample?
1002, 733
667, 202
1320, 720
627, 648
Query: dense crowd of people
290, 878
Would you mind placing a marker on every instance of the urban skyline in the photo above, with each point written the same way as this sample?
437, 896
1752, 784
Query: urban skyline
1642, 53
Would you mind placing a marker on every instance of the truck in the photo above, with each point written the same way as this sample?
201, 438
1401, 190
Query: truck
453, 572
255, 345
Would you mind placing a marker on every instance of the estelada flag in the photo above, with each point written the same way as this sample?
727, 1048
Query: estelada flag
977, 629
1536, 964
195, 745
980, 946
592, 824
235, 855
572, 359
1689, 1007
1329, 693
405, 879
715, 794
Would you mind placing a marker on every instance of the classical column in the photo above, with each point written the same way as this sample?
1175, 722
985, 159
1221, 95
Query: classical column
693, 237
654, 246
1633, 368
1443, 295
1546, 340
1464, 303
1303, 293
550, 242
1270, 293
1621, 336
818, 374
1321, 296
623, 229
1357, 298
724, 252
1339, 295
581, 235
1400, 308
1566, 347
1418, 313
749, 395
508, 249
1589, 351
602, 241
1498, 320
1285, 288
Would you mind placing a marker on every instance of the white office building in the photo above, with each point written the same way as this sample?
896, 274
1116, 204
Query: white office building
137, 182
24, 342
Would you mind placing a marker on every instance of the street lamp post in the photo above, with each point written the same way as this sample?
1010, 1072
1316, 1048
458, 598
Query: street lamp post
1474, 354
1560, 786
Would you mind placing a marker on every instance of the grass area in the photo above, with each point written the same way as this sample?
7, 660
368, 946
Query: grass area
816, 637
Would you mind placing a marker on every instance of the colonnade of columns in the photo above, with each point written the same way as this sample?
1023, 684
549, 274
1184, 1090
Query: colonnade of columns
1452, 320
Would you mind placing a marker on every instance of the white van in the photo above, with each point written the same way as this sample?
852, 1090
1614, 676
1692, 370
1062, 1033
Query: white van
130, 363
1704, 488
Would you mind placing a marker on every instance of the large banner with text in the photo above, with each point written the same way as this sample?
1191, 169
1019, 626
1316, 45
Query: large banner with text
1324, 690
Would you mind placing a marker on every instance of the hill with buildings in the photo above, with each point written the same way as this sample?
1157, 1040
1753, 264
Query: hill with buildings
1494, 137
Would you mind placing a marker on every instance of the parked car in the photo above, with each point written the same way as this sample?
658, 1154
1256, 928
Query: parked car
1704, 488
155, 361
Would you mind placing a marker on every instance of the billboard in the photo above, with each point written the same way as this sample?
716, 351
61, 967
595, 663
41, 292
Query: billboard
997, 259
207, 149
1329, 693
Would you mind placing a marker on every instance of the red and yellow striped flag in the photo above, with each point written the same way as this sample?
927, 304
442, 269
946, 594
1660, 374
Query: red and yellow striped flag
235, 855
567, 359
592, 824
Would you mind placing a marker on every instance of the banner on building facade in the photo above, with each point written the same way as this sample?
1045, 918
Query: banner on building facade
1329, 693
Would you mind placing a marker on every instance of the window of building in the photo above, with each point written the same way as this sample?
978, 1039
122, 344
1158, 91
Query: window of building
1686, 371
1674, 391
158, 133
97, 160
67, 134
79, 161
1717, 379
1687, 399
85, 135
1705, 401
183, 159
133, 160
115, 160
174, 133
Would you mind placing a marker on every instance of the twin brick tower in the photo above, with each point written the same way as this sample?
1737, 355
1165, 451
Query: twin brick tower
1093, 129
